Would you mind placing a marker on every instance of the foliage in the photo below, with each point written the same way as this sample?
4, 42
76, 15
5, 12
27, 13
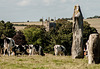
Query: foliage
41, 20
34, 34
20, 38
62, 35
7, 29
93, 17
52, 19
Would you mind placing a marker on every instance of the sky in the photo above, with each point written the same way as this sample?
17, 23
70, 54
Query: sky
33, 10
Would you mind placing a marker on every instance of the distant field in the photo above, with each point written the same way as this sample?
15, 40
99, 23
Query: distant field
28, 23
93, 23
25, 23
45, 62
19, 27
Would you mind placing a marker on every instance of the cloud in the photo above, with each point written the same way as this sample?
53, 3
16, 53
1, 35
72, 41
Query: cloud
24, 2
63, 1
48, 2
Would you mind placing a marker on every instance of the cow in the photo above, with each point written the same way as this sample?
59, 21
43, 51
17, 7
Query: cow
20, 49
30, 51
9, 43
36, 49
60, 50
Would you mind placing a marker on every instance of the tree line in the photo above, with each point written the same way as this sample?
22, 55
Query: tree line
62, 34
93, 17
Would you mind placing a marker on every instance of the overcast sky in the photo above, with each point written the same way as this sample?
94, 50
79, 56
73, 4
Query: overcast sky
33, 10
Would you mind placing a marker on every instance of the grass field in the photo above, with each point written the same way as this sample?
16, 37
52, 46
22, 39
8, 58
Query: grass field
28, 23
94, 23
19, 27
45, 62
25, 23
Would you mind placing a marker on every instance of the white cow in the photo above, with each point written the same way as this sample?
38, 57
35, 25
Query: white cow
60, 50
9, 43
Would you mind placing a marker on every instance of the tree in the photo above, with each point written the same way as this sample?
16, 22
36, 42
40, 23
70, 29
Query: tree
20, 38
27, 20
2, 21
41, 20
46, 20
33, 35
7, 29
52, 19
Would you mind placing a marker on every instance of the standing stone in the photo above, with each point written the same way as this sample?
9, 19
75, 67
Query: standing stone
93, 49
77, 45
0, 51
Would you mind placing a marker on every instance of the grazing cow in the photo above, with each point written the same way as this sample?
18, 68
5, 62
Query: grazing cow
9, 43
20, 49
60, 50
30, 49
36, 49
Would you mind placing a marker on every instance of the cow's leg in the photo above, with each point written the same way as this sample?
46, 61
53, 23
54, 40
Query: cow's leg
56, 53
33, 51
4, 51
64, 53
61, 53
8, 50
30, 52
40, 51
12, 53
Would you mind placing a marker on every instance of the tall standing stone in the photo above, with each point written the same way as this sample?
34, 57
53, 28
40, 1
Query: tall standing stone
77, 45
93, 49
0, 51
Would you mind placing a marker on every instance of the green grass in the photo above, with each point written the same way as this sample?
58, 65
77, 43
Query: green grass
45, 62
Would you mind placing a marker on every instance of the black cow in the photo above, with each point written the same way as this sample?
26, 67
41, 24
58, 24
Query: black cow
36, 49
20, 49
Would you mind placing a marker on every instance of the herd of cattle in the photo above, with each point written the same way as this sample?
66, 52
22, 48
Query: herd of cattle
13, 49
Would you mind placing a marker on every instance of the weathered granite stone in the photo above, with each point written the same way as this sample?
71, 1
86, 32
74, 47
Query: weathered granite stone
77, 45
93, 49
0, 50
